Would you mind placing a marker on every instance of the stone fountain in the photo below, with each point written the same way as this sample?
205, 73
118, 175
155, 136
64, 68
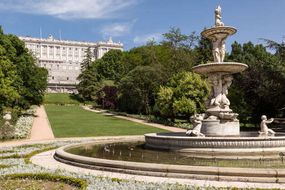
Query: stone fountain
219, 118
216, 136
218, 130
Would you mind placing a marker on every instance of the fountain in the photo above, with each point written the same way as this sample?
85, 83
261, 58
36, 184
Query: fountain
216, 136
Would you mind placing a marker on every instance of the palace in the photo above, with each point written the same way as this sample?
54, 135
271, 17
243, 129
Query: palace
62, 59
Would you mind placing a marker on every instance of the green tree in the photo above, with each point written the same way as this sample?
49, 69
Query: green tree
261, 86
137, 90
90, 83
20, 77
111, 66
204, 51
278, 47
183, 95
87, 61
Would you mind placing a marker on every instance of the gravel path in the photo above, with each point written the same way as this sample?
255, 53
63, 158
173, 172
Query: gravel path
41, 129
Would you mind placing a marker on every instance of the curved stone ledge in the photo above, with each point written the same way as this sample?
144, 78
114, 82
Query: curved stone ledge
212, 32
223, 67
174, 141
176, 171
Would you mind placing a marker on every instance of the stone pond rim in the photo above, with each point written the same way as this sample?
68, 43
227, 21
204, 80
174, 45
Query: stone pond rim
223, 67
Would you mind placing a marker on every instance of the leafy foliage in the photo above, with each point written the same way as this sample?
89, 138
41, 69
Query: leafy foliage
262, 86
90, 83
87, 61
22, 83
138, 89
183, 95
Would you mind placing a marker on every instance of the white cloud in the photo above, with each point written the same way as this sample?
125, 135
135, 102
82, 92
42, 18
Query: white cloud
69, 9
145, 38
117, 29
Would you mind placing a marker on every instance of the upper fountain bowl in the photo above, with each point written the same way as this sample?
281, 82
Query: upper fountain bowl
212, 32
223, 67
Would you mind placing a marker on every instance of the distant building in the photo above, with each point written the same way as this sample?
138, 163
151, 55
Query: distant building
62, 59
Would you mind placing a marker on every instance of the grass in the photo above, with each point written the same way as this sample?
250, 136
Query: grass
41, 181
73, 121
60, 98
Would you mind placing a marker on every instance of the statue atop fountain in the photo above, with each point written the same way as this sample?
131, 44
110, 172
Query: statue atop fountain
219, 119
218, 16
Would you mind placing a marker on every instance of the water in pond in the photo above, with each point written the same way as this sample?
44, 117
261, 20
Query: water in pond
136, 152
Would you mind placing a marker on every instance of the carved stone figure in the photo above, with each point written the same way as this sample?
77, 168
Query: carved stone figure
222, 50
216, 50
226, 83
197, 124
219, 47
218, 16
264, 130
216, 97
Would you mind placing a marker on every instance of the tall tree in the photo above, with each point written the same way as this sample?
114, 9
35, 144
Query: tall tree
23, 83
262, 85
87, 61
278, 47
137, 90
90, 82
111, 66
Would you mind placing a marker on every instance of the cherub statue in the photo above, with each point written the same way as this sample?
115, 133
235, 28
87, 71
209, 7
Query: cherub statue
218, 16
197, 125
264, 130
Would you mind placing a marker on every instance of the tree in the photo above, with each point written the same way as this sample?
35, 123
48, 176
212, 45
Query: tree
22, 82
137, 90
183, 95
90, 83
110, 66
87, 61
278, 47
262, 85
203, 51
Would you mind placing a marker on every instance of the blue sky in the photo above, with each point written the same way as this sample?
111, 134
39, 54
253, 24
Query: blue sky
133, 22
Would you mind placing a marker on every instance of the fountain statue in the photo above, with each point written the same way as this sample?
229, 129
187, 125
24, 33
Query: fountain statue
219, 118
264, 131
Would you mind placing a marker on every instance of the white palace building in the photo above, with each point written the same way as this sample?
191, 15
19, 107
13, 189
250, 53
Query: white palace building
62, 59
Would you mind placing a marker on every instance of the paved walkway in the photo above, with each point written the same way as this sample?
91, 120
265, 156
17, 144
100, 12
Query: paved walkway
47, 160
41, 129
173, 129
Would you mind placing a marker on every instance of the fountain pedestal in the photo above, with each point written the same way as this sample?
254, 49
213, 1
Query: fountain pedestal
219, 118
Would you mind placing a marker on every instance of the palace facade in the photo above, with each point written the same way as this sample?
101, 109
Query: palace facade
62, 59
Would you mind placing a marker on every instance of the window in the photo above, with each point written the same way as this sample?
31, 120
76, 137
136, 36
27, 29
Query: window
51, 49
52, 77
67, 78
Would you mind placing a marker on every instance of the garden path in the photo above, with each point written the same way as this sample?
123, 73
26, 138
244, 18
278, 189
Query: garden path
172, 129
41, 129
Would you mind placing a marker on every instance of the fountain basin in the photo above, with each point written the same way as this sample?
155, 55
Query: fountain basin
212, 32
248, 145
158, 168
223, 67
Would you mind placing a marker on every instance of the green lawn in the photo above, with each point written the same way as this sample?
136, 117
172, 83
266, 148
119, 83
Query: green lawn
60, 98
73, 121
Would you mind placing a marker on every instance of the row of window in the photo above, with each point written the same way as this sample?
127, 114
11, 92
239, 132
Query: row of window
52, 77
60, 67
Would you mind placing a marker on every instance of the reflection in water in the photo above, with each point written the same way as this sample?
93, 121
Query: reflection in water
136, 152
